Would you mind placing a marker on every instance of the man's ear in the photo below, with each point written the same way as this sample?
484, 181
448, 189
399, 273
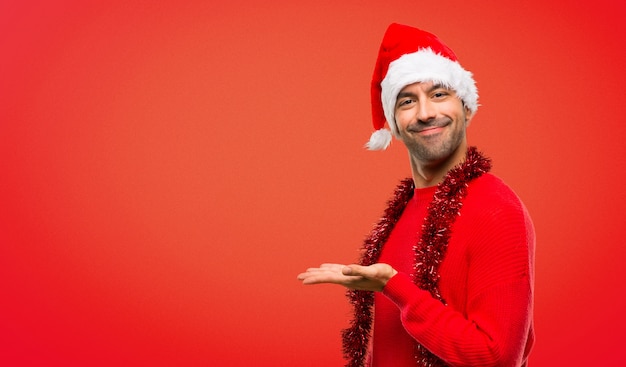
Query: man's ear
468, 115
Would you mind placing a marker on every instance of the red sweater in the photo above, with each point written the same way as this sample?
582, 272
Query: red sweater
486, 279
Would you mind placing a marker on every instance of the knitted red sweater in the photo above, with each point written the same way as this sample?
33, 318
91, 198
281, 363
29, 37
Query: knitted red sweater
486, 279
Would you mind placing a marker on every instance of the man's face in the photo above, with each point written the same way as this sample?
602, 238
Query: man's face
431, 121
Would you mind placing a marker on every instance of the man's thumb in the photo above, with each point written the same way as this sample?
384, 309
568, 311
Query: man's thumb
351, 270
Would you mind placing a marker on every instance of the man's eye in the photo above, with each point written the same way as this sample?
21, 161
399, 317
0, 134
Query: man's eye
405, 102
440, 94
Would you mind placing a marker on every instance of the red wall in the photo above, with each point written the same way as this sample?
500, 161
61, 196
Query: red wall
167, 168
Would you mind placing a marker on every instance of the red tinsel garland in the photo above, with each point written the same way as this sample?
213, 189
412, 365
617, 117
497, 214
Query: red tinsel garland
429, 251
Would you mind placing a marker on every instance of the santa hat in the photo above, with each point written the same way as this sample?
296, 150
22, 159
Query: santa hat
409, 55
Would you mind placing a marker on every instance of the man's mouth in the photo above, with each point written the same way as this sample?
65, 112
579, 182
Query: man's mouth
430, 129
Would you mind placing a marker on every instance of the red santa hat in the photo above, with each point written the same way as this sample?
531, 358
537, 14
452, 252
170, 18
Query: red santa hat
409, 55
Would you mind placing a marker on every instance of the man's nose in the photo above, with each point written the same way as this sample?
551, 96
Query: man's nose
426, 111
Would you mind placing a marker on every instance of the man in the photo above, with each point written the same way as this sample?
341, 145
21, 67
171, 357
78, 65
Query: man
446, 276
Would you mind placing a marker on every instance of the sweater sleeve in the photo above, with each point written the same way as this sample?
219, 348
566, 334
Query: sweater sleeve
494, 329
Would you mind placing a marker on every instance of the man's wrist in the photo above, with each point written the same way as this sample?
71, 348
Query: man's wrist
391, 275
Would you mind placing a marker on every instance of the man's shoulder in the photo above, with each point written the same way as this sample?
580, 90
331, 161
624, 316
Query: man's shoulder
490, 190
491, 206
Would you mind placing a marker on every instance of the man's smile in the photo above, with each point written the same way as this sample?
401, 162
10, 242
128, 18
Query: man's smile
430, 130
433, 128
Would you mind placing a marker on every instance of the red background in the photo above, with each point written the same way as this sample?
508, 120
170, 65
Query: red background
168, 167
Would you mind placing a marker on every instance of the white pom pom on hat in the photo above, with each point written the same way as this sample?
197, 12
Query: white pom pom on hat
409, 55
379, 140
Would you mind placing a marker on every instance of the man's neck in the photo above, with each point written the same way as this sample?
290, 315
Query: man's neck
427, 174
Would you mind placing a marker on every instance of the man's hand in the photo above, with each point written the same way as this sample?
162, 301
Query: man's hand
367, 278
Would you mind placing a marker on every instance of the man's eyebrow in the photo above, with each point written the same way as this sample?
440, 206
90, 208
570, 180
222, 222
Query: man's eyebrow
429, 90
438, 86
406, 94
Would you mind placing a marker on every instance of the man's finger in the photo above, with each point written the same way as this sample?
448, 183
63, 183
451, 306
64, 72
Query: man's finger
353, 270
329, 266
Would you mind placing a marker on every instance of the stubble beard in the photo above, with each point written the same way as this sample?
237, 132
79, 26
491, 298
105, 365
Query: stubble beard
434, 151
